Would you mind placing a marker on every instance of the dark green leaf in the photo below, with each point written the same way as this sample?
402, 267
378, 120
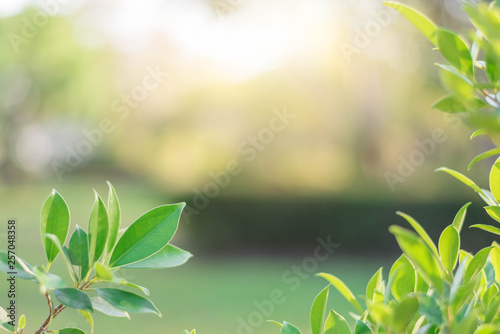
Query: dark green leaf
54, 220
79, 251
71, 331
18, 269
98, 230
127, 301
74, 298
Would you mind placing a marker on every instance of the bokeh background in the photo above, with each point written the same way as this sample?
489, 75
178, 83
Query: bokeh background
176, 100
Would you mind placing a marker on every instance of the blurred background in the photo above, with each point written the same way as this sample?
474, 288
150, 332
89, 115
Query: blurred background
278, 122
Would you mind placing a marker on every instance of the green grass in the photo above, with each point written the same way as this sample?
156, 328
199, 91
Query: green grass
209, 294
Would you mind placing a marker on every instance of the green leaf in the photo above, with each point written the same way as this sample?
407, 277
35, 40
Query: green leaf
487, 228
79, 251
127, 301
47, 280
420, 255
495, 180
22, 322
462, 89
487, 329
420, 230
65, 254
454, 49
289, 329
420, 21
54, 220
168, 257
479, 132
454, 104
71, 331
492, 64
495, 260
98, 230
343, 289
459, 219
362, 328
465, 180
374, 284
88, 316
18, 268
114, 215
403, 278
484, 155
147, 235
449, 245
4, 321
104, 273
318, 311
336, 324
74, 298
404, 313
493, 212
477, 263
104, 307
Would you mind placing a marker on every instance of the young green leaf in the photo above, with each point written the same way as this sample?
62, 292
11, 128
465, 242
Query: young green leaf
104, 307
477, 263
420, 255
362, 328
74, 298
22, 322
54, 220
479, 132
318, 311
487, 228
403, 278
420, 21
147, 235
127, 301
336, 324
420, 230
495, 260
98, 230
168, 257
495, 180
88, 316
374, 284
453, 104
114, 215
483, 155
449, 245
459, 219
465, 180
404, 313
342, 288
288, 328
454, 49
493, 212
79, 251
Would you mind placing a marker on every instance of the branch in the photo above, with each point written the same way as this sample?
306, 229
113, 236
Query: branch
49, 318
